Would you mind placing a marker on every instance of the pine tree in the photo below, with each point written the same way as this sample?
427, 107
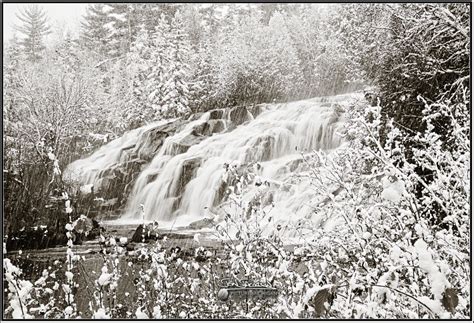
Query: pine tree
34, 27
139, 66
177, 86
94, 30
280, 62
159, 62
124, 24
11, 76
203, 78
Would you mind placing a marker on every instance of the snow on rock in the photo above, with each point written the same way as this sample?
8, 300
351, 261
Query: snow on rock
313, 291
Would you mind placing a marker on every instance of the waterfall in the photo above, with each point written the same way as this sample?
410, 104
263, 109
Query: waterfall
188, 184
89, 170
181, 176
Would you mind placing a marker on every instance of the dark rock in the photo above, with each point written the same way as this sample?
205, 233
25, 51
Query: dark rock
450, 299
261, 150
139, 234
151, 178
130, 247
35, 238
212, 126
188, 171
185, 143
220, 194
255, 110
153, 140
239, 115
145, 234
216, 114
322, 300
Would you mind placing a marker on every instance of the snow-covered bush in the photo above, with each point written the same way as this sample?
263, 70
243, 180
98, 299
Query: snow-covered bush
403, 250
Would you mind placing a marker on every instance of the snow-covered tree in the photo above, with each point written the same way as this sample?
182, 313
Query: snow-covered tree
94, 30
139, 61
34, 27
177, 87
159, 62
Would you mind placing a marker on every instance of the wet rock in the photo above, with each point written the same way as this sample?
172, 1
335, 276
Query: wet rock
200, 224
32, 238
86, 229
262, 149
267, 198
139, 234
153, 140
146, 233
184, 144
210, 127
151, 178
188, 172
322, 301
109, 203
255, 110
239, 115
221, 193
216, 114
214, 126
291, 166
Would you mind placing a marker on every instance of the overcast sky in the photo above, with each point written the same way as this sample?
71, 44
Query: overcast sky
65, 16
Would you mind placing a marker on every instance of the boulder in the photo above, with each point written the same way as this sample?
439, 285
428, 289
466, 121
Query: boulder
200, 224
139, 234
148, 232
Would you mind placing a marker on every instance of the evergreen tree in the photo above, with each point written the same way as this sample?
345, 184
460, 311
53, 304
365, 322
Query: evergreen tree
11, 76
34, 27
139, 66
280, 62
159, 62
94, 30
177, 86
124, 24
203, 77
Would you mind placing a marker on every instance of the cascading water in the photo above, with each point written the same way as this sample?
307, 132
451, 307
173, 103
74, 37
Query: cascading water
188, 184
182, 180
88, 170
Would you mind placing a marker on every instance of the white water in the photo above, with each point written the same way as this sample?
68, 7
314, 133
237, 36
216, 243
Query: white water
275, 139
87, 171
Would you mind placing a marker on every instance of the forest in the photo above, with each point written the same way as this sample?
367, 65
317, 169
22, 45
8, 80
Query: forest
322, 153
